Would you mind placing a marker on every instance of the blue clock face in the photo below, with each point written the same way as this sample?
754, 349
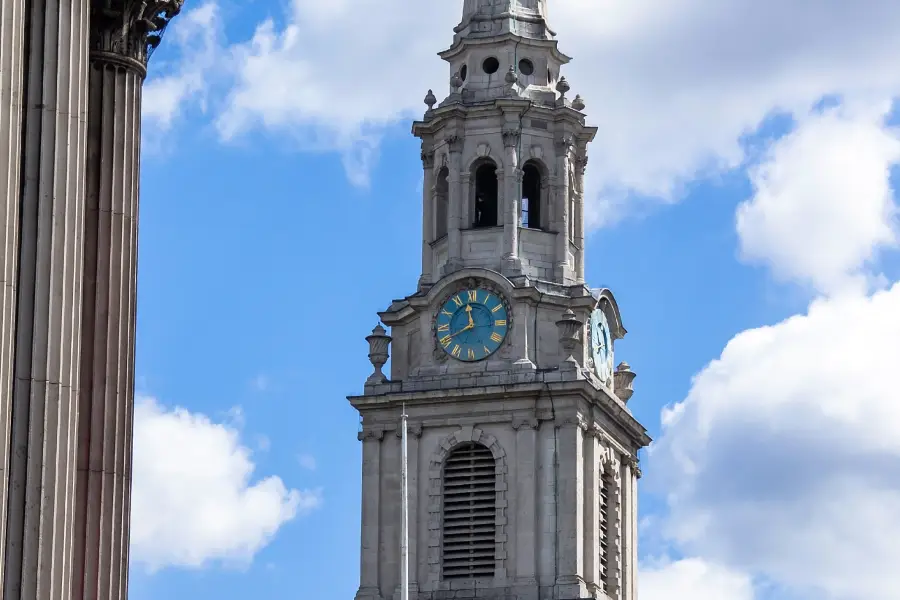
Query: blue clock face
601, 346
472, 324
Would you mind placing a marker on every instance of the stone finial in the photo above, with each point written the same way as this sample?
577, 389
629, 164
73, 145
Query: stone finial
578, 102
511, 76
456, 82
623, 381
379, 341
430, 100
569, 327
562, 86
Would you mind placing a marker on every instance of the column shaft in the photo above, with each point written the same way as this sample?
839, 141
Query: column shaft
562, 210
106, 399
578, 217
592, 509
454, 233
526, 497
39, 519
511, 203
12, 60
570, 557
429, 210
371, 511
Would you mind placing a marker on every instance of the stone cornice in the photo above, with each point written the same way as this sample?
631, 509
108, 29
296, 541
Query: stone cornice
127, 31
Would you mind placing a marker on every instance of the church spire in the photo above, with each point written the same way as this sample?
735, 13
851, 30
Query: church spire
524, 18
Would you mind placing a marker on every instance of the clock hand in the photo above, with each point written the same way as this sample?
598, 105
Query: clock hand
469, 311
466, 328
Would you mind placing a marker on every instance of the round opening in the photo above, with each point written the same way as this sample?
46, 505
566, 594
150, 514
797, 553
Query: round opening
490, 65
526, 67
464, 72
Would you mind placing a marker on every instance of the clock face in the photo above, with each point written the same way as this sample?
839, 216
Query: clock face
472, 324
601, 346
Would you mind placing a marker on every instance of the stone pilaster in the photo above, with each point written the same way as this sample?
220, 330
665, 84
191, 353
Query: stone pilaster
454, 233
371, 511
526, 539
592, 450
511, 216
548, 505
413, 433
429, 210
570, 529
12, 60
39, 511
563, 164
581, 161
123, 34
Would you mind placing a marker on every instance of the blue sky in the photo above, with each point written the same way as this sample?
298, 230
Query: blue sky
743, 212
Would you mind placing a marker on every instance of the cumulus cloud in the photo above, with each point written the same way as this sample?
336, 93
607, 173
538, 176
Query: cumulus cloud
823, 202
784, 459
692, 578
193, 499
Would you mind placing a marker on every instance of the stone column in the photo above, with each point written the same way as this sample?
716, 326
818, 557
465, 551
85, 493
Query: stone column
123, 35
512, 201
371, 495
454, 235
547, 506
428, 215
563, 149
50, 195
12, 55
413, 433
631, 472
526, 498
570, 517
592, 508
580, 165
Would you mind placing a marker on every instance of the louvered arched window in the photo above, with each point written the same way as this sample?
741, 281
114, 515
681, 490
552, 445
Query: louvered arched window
469, 522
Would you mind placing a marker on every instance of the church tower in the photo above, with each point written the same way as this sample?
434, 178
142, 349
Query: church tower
522, 451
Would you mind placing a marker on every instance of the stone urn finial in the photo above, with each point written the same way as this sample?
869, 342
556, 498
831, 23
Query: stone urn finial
623, 381
456, 82
430, 100
379, 341
562, 86
578, 102
511, 76
569, 327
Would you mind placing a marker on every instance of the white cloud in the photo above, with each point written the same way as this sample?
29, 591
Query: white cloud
692, 578
197, 35
672, 85
307, 461
193, 500
784, 460
823, 202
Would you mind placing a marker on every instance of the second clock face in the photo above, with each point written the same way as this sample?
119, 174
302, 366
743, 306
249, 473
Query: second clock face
601, 346
472, 324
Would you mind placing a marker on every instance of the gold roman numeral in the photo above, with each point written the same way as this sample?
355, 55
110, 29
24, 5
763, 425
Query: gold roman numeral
496, 308
445, 341
457, 301
486, 351
496, 337
473, 295
471, 354
455, 351
444, 327
500, 322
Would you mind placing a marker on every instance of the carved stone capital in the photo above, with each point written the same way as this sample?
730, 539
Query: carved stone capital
634, 463
520, 422
564, 145
454, 142
128, 31
511, 138
413, 429
573, 421
371, 434
595, 431
581, 162
428, 159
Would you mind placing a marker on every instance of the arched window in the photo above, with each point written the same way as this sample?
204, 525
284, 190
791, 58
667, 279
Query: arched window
442, 203
469, 522
485, 196
607, 490
531, 196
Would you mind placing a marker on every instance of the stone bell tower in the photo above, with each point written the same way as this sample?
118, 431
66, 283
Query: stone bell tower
522, 452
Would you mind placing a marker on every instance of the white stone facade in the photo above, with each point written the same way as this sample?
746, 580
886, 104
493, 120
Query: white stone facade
564, 443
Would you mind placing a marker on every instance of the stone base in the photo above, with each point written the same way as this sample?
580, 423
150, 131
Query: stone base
573, 588
368, 593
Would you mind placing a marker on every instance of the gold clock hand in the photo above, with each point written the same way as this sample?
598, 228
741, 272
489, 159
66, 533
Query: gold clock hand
469, 311
466, 328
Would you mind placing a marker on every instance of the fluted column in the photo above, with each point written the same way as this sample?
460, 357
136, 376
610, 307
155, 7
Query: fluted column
12, 54
39, 517
563, 149
123, 32
454, 233
511, 193
428, 216
371, 511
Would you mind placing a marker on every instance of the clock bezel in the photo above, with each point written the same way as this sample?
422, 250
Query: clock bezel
610, 358
442, 355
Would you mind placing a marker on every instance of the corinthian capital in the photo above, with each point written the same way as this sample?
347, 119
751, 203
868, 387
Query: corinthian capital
128, 31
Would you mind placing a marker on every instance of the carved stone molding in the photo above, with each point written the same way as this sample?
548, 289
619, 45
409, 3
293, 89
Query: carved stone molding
564, 145
573, 421
428, 159
454, 142
413, 429
635, 465
128, 31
